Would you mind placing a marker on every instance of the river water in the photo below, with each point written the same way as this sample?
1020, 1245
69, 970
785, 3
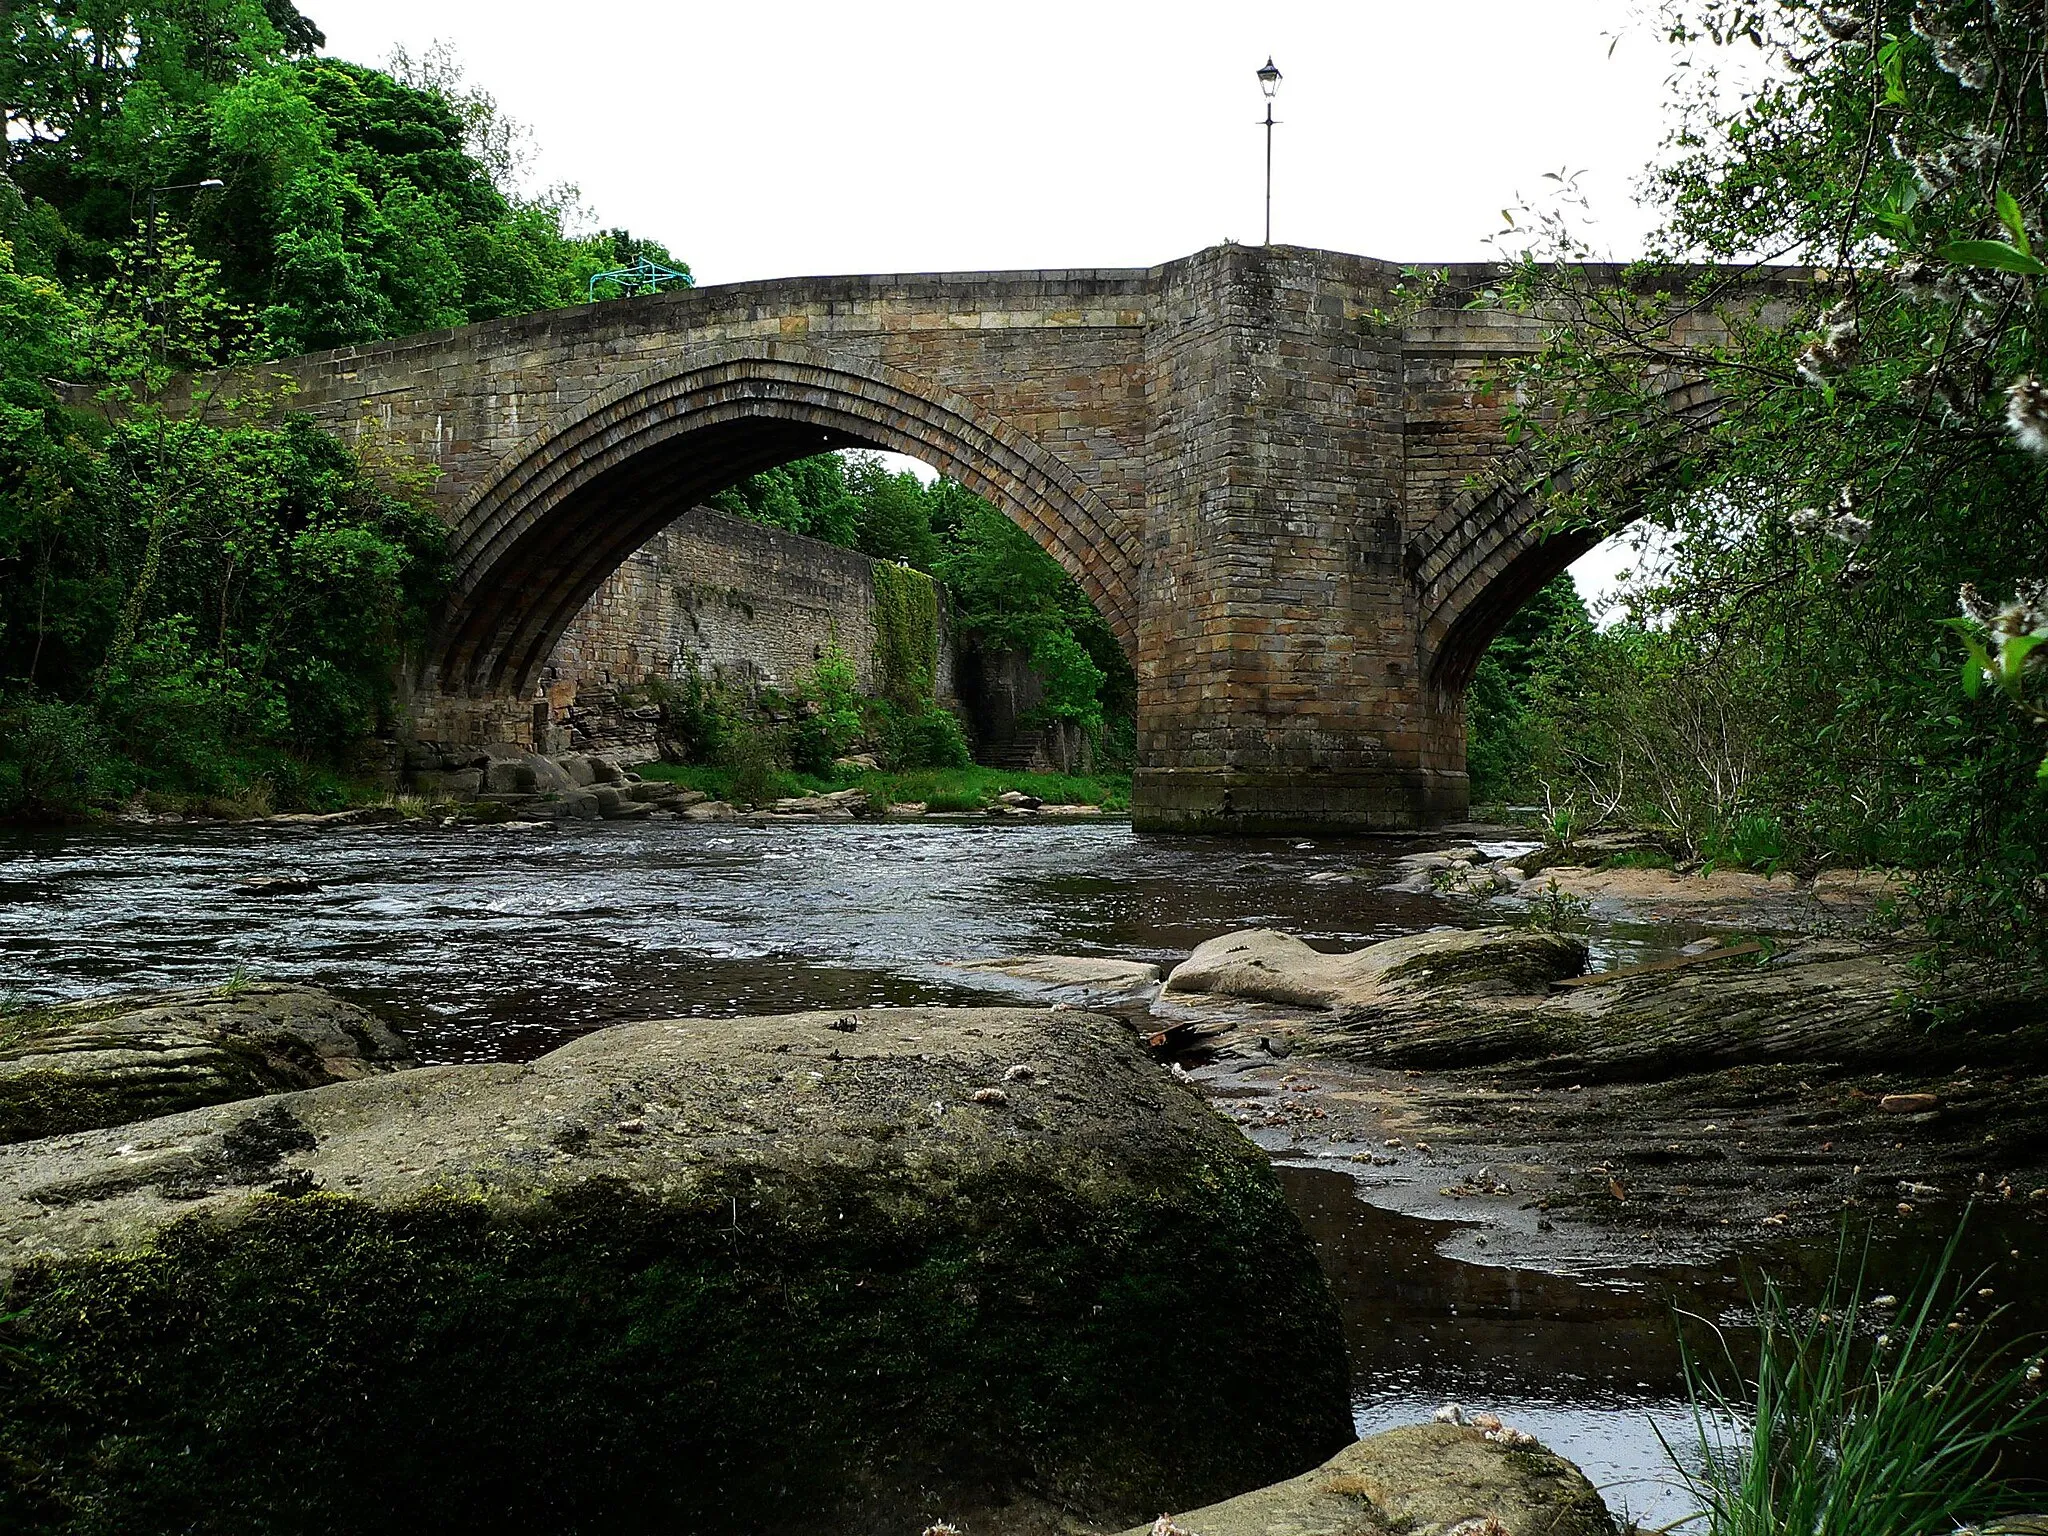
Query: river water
496, 944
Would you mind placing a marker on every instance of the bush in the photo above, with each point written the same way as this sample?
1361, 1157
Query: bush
929, 737
53, 756
749, 751
830, 722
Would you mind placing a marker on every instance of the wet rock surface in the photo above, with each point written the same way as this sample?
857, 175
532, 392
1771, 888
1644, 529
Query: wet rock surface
1262, 966
1630, 877
1087, 978
77, 1066
821, 1271
1430, 1480
1674, 1110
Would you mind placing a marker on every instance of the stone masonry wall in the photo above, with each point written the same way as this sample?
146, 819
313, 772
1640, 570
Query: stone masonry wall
750, 606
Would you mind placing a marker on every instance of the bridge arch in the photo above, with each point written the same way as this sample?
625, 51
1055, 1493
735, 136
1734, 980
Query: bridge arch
537, 536
1486, 554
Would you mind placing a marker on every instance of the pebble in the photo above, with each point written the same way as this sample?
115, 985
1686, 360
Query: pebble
1019, 1074
990, 1096
1908, 1103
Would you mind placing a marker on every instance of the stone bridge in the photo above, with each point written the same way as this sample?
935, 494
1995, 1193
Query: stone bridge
1260, 481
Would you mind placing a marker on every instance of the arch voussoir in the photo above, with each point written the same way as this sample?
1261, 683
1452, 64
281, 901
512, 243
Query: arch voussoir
533, 538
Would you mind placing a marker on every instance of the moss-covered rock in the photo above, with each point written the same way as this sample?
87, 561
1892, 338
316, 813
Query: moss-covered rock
111, 1060
1430, 1480
712, 1276
1262, 965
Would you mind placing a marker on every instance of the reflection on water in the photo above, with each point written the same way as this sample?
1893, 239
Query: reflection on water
1591, 1367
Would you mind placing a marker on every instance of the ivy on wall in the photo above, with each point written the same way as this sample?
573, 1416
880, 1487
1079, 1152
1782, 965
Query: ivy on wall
906, 633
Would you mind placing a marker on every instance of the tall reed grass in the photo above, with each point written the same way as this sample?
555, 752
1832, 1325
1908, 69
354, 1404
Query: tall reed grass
1867, 1416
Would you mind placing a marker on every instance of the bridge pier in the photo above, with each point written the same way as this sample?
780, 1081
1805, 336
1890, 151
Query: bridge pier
1281, 686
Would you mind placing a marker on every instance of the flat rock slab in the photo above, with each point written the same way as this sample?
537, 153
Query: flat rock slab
1429, 1480
756, 1275
1094, 978
111, 1060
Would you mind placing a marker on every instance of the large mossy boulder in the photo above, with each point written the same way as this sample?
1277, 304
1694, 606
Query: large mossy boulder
1430, 1480
819, 1273
107, 1061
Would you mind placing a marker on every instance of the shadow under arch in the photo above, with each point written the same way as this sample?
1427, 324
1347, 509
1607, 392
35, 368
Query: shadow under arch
564, 509
1489, 552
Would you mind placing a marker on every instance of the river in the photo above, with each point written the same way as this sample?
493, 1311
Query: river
497, 944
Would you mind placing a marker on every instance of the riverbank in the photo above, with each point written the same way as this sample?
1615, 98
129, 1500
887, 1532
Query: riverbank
1669, 1111
551, 789
936, 789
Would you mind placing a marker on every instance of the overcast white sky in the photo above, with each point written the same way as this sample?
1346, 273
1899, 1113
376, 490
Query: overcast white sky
773, 138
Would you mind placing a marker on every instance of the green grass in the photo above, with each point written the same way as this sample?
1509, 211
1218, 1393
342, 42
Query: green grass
1861, 1421
1640, 858
941, 789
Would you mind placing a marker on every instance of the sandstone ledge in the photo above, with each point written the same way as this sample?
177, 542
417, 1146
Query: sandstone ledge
110, 1060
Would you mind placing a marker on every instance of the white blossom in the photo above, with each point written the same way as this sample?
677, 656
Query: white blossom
1956, 43
2023, 617
1836, 348
2026, 413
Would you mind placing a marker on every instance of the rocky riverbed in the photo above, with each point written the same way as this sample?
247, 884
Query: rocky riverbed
854, 1268
1675, 1111
1510, 1121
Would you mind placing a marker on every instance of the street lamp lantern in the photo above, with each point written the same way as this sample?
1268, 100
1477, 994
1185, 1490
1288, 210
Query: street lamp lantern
1269, 82
211, 183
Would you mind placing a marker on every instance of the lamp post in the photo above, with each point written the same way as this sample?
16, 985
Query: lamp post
149, 244
1269, 82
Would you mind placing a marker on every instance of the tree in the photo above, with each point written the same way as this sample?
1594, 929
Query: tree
358, 204
1872, 448
1541, 641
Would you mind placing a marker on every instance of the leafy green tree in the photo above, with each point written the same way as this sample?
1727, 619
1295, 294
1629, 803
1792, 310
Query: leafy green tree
357, 204
1872, 449
178, 591
1010, 595
807, 496
188, 599
894, 517
1540, 643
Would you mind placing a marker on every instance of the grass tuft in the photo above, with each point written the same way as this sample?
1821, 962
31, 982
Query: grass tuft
1863, 1422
